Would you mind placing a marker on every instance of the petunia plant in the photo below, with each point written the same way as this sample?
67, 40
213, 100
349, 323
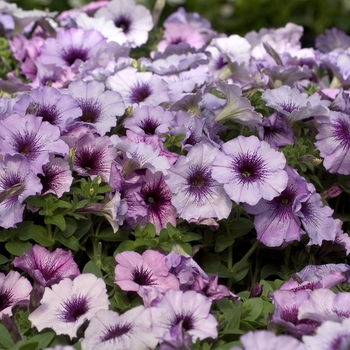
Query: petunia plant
166, 186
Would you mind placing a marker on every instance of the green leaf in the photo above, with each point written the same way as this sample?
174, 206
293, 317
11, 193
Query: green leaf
43, 339
36, 201
5, 338
211, 263
3, 259
123, 246
17, 247
82, 229
252, 309
109, 236
222, 242
71, 226
26, 345
91, 267
57, 219
191, 236
70, 242
36, 233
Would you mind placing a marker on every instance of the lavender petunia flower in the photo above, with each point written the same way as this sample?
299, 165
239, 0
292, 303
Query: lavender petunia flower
70, 47
32, 138
332, 39
176, 339
135, 20
333, 142
287, 304
17, 182
324, 305
94, 156
265, 340
196, 194
52, 106
330, 336
149, 120
132, 330
190, 308
276, 221
100, 108
56, 177
134, 271
13, 288
67, 305
155, 197
294, 104
47, 267
139, 88
250, 170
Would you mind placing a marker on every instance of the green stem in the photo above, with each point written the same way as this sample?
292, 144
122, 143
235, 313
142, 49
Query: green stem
237, 266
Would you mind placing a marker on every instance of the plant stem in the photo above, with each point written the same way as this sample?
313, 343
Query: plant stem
237, 266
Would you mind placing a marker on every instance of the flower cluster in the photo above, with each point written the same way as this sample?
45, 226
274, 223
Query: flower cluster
136, 191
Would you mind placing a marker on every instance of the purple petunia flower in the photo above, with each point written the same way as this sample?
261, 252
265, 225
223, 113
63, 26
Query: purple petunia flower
131, 330
333, 142
135, 20
250, 170
67, 305
17, 182
265, 340
94, 156
196, 194
176, 339
52, 106
56, 177
330, 336
134, 271
13, 288
100, 108
31, 137
190, 308
331, 40
294, 104
71, 47
47, 267
276, 221
139, 88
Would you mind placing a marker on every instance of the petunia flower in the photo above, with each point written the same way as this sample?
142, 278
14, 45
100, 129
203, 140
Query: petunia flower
67, 305
13, 288
47, 267
132, 330
52, 106
134, 271
56, 177
33, 138
134, 20
196, 194
17, 182
189, 308
139, 88
330, 335
265, 340
250, 170
333, 142
99, 107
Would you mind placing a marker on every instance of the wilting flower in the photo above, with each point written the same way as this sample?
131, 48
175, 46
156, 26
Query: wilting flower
237, 108
17, 182
250, 170
99, 107
47, 267
33, 138
13, 288
196, 194
67, 305
131, 330
135, 20
189, 308
134, 271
